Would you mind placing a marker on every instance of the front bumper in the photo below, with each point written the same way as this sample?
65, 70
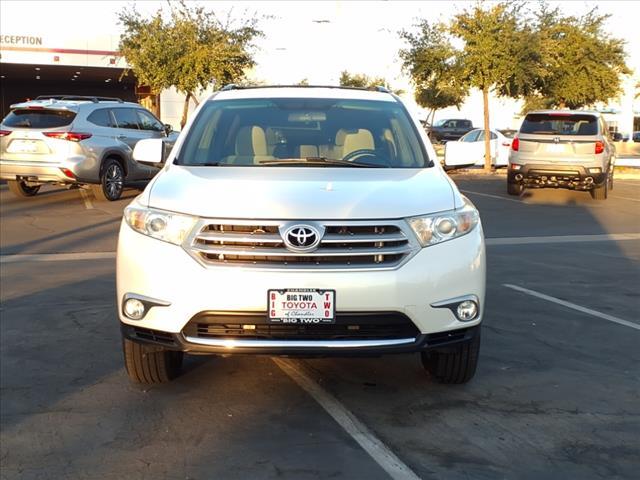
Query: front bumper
552, 175
309, 348
159, 270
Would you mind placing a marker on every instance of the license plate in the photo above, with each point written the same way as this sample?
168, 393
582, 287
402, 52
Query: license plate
24, 146
555, 148
302, 305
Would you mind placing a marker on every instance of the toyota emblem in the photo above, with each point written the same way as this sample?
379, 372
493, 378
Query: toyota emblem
301, 238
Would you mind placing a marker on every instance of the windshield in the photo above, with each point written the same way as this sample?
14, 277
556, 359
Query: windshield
303, 132
559, 124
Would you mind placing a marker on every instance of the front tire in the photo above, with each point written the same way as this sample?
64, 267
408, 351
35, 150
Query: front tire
453, 365
20, 189
111, 181
149, 364
514, 188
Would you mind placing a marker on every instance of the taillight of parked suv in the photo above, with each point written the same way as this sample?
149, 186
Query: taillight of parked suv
71, 136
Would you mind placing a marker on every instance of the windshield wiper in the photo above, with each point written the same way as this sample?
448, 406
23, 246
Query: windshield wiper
324, 161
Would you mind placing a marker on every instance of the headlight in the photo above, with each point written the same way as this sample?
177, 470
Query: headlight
443, 226
166, 226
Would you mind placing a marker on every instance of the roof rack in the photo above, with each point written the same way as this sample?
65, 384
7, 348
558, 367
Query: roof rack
233, 86
79, 97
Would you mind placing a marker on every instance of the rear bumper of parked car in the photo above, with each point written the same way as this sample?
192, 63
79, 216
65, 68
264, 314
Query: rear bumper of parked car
72, 170
189, 295
555, 175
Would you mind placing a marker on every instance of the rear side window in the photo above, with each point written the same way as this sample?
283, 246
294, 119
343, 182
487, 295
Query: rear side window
125, 118
465, 123
559, 124
38, 118
101, 117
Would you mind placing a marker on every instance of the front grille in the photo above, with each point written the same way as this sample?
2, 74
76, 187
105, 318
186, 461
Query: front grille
355, 244
352, 326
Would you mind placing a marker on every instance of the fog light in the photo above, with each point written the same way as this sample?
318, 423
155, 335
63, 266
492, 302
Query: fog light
595, 170
467, 310
515, 166
134, 309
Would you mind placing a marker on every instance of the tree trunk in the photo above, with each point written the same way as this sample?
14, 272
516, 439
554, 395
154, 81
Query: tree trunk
185, 110
487, 133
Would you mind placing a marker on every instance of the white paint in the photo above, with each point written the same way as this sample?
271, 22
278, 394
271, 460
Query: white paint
573, 306
626, 198
494, 196
57, 257
609, 237
86, 199
348, 421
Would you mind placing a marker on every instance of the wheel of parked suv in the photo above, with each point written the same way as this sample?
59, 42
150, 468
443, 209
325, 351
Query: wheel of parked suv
453, 364
20, 189
111, 181
150, 364
600, 192
514, 188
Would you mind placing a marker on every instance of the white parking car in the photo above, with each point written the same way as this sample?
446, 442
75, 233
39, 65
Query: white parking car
469, 150
305, 221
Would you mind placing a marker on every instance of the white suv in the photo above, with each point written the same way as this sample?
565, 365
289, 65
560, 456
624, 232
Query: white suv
308, 221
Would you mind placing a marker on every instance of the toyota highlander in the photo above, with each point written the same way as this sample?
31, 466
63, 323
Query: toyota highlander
302, 221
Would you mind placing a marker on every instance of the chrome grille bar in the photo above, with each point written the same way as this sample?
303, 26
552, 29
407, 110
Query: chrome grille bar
345, 245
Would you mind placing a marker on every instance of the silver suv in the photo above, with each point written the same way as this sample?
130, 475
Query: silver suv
562, 149
76, 141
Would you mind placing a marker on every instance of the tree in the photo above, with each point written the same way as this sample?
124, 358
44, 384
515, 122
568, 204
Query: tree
582, 64
361, 80
434, 67
190, 50
497, 54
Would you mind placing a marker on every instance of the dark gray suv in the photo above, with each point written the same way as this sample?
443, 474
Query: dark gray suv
76, 141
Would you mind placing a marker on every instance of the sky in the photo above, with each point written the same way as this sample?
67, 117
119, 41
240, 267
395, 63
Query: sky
315, 40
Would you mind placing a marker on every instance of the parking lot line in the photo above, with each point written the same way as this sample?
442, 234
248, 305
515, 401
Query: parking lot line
607, 237
86, 199
495, 196
625, 198
354, 427
56, 257
573, 306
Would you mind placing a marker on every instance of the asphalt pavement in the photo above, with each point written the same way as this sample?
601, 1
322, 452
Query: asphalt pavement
556, 395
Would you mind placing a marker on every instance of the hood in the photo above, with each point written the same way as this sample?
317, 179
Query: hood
287, 193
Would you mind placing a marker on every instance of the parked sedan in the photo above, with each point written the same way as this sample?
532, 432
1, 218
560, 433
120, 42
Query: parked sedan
469, 150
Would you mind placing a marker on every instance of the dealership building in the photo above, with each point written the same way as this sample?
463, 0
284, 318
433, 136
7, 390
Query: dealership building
33, 65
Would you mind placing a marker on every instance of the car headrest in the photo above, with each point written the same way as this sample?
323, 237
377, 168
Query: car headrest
251, 141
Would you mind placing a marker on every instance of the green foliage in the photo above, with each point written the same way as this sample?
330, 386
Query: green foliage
434, 67
581, 63
498, 51
188, 50
361, 80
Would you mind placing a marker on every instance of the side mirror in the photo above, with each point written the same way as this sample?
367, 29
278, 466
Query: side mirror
150, 151
168, 129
